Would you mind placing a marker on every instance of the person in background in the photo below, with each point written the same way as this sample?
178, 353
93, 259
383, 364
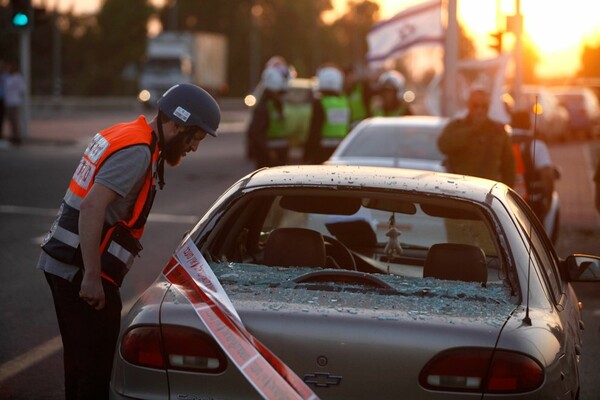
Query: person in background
476, 145
95, 237
359, 93
330, 120
280, 64
14, 96
3, 76
391, 86
267, 129
535, 172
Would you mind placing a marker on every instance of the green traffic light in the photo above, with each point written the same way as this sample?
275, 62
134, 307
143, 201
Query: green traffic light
20, 19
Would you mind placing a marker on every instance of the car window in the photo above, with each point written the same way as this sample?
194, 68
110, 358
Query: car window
292, 244
545, 257
365, 225
392, 141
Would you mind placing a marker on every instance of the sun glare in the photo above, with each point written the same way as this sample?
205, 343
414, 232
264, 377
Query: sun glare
558, 29
562, 26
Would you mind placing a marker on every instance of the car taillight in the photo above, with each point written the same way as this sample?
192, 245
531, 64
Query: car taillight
141, 346
482, 370
172, 347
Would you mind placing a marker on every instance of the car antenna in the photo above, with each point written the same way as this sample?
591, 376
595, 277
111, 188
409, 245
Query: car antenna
527, 319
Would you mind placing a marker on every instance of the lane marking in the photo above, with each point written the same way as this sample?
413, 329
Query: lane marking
39, 353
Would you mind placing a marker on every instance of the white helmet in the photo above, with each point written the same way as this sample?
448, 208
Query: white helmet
274, 80
392, 79
331, 79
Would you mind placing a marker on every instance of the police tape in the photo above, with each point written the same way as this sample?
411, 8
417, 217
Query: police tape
189, 272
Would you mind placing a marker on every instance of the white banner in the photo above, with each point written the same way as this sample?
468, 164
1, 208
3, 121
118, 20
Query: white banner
488, 74
417, 25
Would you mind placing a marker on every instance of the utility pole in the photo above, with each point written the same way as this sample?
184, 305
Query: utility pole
56, 53
449, 93
255, 69
21, 22
515, 25
25, 61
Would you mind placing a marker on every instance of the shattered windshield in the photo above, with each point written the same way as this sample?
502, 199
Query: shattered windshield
433, 254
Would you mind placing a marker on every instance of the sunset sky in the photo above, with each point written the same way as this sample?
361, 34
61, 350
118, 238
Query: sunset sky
559, 29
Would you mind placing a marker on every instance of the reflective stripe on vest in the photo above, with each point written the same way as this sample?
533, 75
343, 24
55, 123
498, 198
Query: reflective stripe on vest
276, 122
532, 180
519, 186
62, 241
337, 117
358, 110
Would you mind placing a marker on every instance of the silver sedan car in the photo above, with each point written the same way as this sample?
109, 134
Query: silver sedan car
359, 283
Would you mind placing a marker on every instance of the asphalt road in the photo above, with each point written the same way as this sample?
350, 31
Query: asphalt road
32, 183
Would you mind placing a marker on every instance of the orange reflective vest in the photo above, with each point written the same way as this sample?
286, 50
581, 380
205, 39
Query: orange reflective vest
528, 180
520, 186
120, 242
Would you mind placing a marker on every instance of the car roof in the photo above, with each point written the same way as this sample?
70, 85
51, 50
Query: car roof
408, 120
375, 178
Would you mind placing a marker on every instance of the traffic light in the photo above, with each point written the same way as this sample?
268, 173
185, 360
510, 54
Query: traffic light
496, 42
20, 14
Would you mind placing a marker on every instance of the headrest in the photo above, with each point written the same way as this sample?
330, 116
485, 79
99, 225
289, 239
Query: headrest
454, 261
295, 247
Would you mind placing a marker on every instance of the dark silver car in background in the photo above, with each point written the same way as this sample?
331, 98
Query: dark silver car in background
369, 283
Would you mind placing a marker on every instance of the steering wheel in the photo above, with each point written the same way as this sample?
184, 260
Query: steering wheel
340, 253
349, 277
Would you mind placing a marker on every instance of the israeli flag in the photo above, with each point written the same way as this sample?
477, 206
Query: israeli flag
417, 25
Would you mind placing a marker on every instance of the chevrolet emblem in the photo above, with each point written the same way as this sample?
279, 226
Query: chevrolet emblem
322, 379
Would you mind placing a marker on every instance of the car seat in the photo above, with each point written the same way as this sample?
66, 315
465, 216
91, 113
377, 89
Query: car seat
454, 261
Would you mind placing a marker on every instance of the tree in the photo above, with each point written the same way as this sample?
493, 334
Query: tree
118, 39
348, 34
289, 28
530, 60
590, 62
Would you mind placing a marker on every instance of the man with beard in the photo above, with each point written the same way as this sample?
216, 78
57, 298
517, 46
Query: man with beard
95, 237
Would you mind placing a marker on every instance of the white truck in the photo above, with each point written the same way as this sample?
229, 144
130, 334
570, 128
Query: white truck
183, 57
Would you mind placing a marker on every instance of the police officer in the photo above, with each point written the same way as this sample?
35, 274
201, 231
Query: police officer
535, 172
330, 120
267, 131
477, 145
391, 86
95, 237
359, 93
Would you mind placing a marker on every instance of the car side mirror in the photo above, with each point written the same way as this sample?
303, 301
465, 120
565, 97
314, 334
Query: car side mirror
557, 173
583, 268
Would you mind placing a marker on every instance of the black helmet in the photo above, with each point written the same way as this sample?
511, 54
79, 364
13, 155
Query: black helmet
190, 105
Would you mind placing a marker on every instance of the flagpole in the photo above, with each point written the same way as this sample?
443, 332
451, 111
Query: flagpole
449, 95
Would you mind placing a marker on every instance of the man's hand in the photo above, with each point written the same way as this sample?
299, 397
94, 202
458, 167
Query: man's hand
91, 291
91, 222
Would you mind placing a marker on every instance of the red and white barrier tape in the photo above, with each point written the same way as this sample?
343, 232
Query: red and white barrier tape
189, 272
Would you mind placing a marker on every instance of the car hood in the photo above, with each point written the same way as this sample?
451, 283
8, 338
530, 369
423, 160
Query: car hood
348, 339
